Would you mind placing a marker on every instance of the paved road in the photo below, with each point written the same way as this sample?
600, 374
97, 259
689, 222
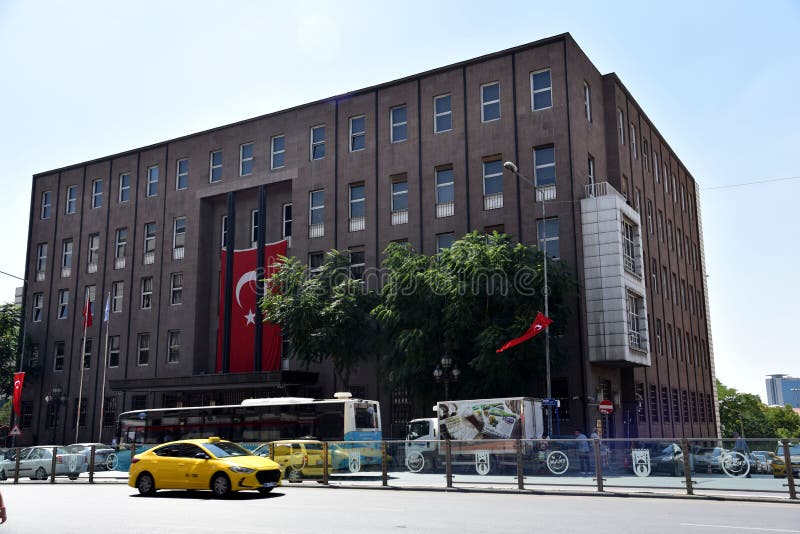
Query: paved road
111, 508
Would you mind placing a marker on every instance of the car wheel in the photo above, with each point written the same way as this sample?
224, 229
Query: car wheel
145, 484
73, 476
220, 485
264, 491
111, 462
292, 475
40, 474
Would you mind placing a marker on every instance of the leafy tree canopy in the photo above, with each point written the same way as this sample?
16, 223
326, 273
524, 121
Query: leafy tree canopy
746, 414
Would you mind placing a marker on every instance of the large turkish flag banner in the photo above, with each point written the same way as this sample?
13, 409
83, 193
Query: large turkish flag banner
243, 310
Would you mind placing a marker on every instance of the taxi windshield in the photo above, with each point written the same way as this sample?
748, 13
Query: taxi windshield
226, 449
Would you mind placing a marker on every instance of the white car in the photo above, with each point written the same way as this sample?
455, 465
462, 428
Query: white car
37, 463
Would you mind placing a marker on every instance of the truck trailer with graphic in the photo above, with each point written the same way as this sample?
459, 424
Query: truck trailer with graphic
480, 432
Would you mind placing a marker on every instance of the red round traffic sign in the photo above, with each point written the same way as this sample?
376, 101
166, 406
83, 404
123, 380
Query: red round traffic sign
605, 406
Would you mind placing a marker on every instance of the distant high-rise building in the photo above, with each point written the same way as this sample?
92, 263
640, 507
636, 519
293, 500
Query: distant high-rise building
782, 390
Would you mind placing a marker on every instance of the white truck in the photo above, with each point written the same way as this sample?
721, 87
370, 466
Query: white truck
482, 432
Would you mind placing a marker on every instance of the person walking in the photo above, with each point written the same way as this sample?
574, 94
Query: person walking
583, 451
740, 446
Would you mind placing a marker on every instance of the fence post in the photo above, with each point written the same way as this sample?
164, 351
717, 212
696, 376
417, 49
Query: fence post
53, 466
16, 467
687, 469
520, 470
91, 464
384, 465
448, 457
598, 465
325, 463
787, 458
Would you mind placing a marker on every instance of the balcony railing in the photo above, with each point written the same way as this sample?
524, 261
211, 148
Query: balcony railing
119, 263
91, 268
545, 192
66, 272
177, 253
635, 340
445, 209
357, 224
149, 258
399, 217
601, 189
493, 201
629, 263
316, 230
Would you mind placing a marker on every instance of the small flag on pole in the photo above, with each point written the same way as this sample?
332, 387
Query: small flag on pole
87, 314
108, 308
539, 324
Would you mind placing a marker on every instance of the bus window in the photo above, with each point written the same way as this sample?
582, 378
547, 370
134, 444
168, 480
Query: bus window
365, 417
330, 426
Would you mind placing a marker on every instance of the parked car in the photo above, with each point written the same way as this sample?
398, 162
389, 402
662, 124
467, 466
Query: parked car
667, 458
197, 464
760, 462
709, 459
105, 456
779, 463
36, 463
303, 458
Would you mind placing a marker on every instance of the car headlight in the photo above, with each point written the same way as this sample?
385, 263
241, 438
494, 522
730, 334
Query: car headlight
240, 469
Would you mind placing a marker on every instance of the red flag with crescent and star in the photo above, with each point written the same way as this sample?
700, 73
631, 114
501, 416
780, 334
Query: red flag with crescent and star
539, 324
19, 379
243, 311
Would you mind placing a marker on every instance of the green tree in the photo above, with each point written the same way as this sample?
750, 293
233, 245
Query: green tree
746, 414
323, 316
467, 301
9, 351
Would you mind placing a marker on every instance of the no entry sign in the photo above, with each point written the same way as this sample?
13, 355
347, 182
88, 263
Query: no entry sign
605, 407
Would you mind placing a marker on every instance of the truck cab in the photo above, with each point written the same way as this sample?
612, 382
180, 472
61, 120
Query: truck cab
422, 443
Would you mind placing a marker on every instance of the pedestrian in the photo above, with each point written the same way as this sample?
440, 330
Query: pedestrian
740, 446
583, 451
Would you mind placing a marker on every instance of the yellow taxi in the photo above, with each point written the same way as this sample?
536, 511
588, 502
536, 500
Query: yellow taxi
302, 458
779, 462
201, 464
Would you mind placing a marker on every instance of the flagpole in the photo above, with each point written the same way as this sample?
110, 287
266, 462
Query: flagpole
86, 312
103, 387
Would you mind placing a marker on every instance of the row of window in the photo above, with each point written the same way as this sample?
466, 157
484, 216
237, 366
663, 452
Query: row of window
681, 294
681, 346
541, 98
53, 413
678, 241
678, 406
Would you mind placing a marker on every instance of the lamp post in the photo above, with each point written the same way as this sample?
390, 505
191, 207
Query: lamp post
446, 371
512, 167
55, 398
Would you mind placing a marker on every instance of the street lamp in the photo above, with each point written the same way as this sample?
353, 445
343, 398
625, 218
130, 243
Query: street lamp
446, 371
512, 167
55, 398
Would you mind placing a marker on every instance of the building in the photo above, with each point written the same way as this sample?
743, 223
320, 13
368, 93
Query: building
418, 159
782, 390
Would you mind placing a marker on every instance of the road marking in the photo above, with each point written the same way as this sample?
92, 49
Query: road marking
734, 527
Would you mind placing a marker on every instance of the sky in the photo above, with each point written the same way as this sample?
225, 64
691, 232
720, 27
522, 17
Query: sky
85, 79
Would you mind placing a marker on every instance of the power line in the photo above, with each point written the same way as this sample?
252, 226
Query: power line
12, 275
755, 182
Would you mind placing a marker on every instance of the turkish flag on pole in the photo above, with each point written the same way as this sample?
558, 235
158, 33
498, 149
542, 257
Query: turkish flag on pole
19, 378
539, 324
87, 314
243, 312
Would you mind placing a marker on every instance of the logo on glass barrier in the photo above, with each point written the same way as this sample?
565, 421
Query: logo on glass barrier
641, 462
557, 462
482, 465
735, 464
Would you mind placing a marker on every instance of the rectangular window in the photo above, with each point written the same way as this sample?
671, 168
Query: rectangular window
645, 150
318, 142
110, 412
97, 194
399, 197
143, 344
66, 258
442, 113
674, 189
670, 241
444, 241
147, 293
215, 167
358, 136
113, 351
149, 243
182, 174
653, 403
398, 117
490, 102
46, 204
655, 166
445, 192
117, 290
124, 187
587, 101
685, 405
316, 213
641, 413
33, 358
621, 126
357, 264
278, 145
41, 261
287, 221
315, 261
26, 418
72, 199
547, 237
629, 246
63, 303
633, 142
176, 289
224, 231
649, 217
660, 224
665, 404
120, 244
357, 207
90, 294
38, 304
541, 90
492, 184
679, 241
152, 181
94, 253
636, 322
659, 345
58, 358
654, 275
253, 227
173, 346
683, 198
544, 162
178, 237
246, 159
590, 168
87, 354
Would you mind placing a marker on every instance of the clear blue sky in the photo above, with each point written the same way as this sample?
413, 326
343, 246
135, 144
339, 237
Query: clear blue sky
81, 80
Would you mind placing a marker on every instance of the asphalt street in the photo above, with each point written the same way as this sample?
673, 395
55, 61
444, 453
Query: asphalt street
111, 508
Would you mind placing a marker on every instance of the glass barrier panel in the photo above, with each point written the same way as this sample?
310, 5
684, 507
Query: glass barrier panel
416, 463
643, 464
486, 462
355, 462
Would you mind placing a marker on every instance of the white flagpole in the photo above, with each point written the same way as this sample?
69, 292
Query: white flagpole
105, 357
86, 311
